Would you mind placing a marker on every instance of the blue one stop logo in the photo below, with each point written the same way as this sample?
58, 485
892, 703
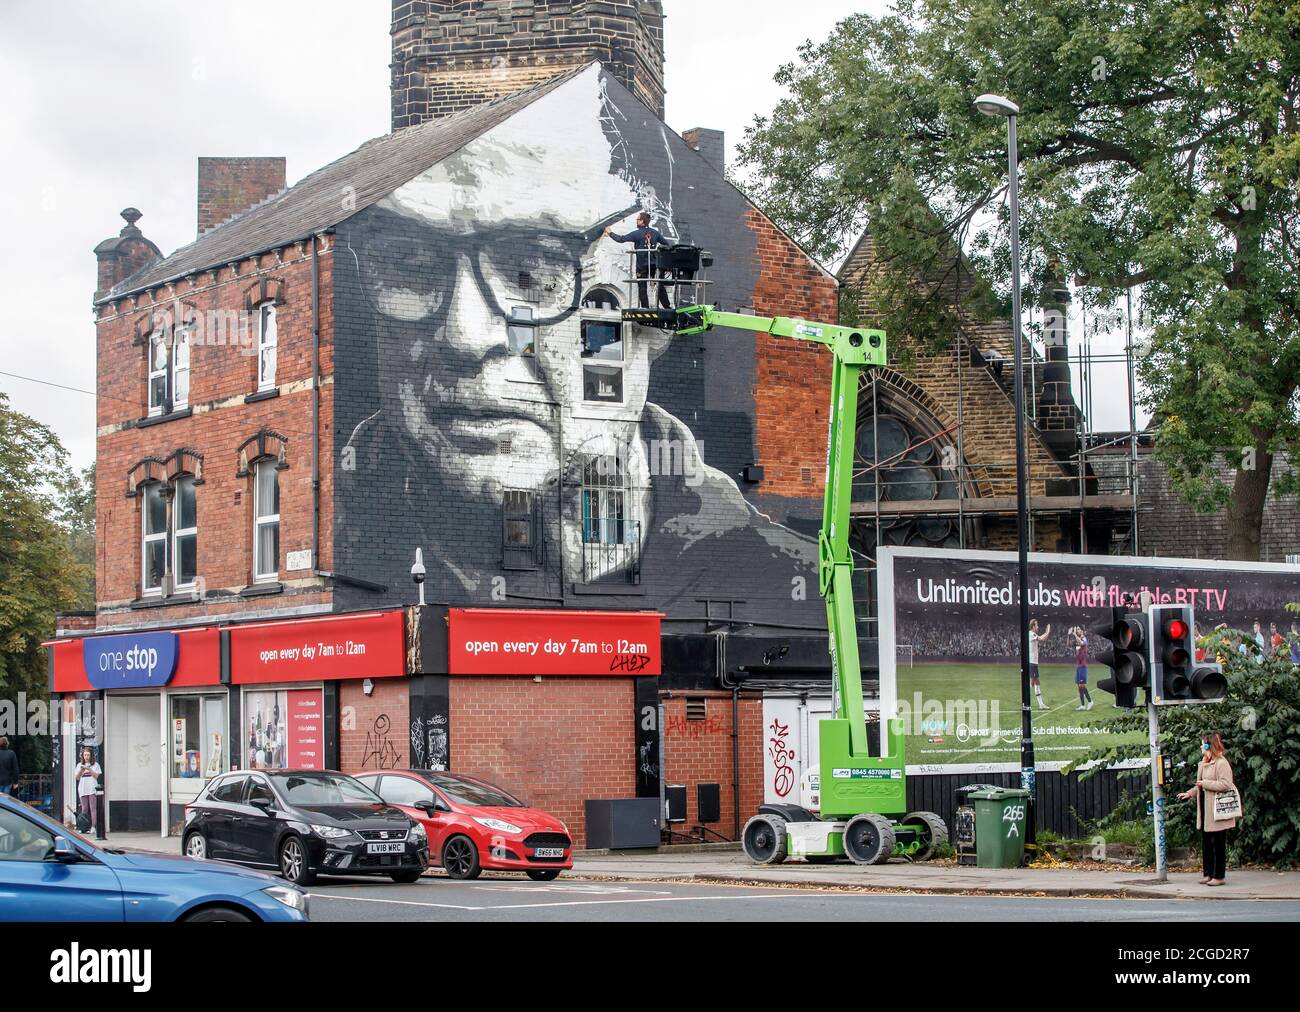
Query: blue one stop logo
130, 662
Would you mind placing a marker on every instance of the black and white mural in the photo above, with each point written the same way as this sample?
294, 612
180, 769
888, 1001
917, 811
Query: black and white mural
493, 410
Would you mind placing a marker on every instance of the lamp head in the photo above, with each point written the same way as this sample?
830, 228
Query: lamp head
996, 105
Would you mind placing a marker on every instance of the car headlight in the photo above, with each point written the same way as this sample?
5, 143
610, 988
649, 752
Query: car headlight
331, 832
295, 899
418, 835
498, 824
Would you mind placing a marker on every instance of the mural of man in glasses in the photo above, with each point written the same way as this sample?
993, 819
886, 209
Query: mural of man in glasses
506, 392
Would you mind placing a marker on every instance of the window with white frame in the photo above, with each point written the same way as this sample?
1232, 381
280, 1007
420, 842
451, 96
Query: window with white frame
521, 341
153, 539
267, 344
266, 521
604, 502
185, 534
159, 373
602, 348
181, 367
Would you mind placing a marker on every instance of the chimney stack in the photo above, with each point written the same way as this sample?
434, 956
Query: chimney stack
230, 186
711, 144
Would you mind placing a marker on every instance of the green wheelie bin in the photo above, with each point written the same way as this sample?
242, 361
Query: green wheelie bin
999, 826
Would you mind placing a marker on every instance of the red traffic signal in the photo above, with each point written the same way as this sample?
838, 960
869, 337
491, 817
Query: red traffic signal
1176, 677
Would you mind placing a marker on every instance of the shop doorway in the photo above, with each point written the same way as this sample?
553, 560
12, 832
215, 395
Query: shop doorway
133, 775
196, 729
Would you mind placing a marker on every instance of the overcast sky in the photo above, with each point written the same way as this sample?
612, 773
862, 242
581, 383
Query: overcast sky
109, 104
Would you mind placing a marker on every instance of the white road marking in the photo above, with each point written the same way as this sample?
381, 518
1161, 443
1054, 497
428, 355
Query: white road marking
560, 903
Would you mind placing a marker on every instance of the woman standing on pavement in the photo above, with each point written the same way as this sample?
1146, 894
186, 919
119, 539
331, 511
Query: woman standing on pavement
1213, 778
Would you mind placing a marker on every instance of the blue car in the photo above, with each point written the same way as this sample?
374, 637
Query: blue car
50, 873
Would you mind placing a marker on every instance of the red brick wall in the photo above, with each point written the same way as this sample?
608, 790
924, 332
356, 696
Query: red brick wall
554, 743
228, 186
374, 730
221, 376
699, 751
793, 378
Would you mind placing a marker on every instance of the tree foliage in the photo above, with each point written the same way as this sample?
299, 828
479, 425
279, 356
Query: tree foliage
1159, 146
39, 574
1257, 724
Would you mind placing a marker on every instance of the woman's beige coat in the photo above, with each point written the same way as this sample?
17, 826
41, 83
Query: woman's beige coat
1213, 777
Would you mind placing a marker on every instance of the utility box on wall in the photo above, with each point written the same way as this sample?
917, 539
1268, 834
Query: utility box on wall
622, 823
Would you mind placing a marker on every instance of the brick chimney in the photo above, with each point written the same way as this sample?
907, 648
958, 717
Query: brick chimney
123, 254
1057, 415
228, 186
711, 144
450, 55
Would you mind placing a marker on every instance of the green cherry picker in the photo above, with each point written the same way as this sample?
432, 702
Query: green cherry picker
863, 798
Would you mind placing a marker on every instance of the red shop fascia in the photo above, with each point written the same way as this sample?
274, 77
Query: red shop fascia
348, 691
164, 711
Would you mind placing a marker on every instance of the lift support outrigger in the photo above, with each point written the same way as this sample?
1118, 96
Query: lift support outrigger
863, 798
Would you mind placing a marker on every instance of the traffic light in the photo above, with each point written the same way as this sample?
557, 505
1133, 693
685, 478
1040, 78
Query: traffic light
1176, 677
1126, 657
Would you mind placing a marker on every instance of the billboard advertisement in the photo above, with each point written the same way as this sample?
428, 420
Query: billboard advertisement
950, 655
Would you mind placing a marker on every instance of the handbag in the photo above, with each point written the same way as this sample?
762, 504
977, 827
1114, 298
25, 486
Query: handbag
1227, 805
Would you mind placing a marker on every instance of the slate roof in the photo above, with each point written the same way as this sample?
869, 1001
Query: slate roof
315, 203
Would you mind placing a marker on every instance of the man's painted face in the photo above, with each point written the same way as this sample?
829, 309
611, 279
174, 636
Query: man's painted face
481, 272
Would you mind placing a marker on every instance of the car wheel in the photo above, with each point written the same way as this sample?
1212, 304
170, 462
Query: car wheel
544, 874
460, 858
196, 846
405, 877
293, 862
216, 915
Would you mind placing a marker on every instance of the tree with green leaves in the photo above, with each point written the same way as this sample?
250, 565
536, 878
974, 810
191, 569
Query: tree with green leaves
39, 574
1257, 724
1159, 145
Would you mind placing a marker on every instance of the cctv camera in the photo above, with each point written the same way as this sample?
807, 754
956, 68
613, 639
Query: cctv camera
417, 571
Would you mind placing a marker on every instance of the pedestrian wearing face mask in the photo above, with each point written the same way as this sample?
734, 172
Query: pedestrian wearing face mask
1215, 793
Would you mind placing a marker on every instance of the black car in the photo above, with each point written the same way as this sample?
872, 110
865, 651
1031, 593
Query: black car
305, 823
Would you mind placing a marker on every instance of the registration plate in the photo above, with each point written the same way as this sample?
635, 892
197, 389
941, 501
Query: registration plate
548, 852
385, 848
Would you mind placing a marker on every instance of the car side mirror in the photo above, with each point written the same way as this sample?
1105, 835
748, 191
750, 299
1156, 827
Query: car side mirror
65, 852
430, 808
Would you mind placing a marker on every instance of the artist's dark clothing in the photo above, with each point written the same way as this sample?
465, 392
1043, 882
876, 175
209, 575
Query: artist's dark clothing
1214, 854
645, 296
8, 767
646, 240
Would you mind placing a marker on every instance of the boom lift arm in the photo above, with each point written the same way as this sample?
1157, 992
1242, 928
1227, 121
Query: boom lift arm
863, 798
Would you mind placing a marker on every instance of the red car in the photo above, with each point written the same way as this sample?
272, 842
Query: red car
473, 825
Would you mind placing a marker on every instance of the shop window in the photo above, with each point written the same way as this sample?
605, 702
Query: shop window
185, 534
197, 737
153, 539
267, 345
266, 521
521, 529
521, 341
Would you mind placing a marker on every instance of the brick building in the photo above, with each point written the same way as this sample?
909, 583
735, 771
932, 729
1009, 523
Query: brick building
419, 346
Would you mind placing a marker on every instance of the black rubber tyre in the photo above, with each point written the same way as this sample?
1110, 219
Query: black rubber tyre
869, 839
460, 858
405, 877
218, 915
293, 862
544, 874
933, 831
764, 839
196, 846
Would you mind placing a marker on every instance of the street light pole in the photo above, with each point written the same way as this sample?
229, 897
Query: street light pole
996, 105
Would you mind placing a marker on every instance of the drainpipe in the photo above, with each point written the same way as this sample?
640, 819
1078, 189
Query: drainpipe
315, 403
735, 760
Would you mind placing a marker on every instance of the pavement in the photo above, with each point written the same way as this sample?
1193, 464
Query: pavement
725, 864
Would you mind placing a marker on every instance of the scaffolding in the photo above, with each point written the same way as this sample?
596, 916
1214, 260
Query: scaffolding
1092, 485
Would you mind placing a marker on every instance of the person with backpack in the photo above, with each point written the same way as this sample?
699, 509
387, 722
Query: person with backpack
8, 767
88, 773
